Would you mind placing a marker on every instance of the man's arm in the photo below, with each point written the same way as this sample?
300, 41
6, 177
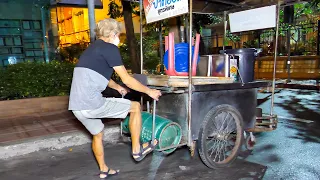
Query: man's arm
130, 81
113, 85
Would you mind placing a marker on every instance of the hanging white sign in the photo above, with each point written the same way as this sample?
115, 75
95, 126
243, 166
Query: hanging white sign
156, 10
259, 18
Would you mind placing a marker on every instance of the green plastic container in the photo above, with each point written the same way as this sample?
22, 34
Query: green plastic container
167, 132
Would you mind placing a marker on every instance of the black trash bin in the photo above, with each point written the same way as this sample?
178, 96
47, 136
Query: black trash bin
245, 60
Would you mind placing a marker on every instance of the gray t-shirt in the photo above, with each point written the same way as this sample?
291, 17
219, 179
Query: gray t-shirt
92, 74
86, 89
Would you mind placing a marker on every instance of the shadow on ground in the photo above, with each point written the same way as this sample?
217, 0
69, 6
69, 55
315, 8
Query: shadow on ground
304, 105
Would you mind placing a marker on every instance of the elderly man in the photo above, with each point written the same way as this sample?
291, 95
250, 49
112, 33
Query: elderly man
91, 76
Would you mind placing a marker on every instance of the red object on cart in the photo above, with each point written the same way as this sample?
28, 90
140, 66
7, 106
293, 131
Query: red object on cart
169, 45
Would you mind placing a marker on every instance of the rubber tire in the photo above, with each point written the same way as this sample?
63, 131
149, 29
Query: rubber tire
201, 145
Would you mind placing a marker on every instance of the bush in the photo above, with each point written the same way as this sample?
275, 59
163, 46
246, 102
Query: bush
30, 79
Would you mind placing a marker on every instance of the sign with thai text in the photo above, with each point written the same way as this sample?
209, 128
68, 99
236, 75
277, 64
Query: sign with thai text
156, 10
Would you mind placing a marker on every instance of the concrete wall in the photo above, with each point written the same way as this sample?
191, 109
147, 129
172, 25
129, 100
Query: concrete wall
16, 10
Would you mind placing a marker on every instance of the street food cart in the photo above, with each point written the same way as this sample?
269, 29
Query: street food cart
211, 115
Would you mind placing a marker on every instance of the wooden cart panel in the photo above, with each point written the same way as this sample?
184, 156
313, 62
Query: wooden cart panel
182, 81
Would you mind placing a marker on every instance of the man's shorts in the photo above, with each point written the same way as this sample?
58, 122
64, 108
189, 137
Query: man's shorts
112, 108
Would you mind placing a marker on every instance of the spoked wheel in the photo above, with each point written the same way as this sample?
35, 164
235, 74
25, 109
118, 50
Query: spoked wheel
220, 136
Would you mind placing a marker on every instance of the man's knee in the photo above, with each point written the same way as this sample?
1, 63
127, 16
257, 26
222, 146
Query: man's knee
98, 136
135, 106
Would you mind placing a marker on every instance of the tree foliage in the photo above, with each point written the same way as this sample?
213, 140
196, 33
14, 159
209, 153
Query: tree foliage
201, 20
131, 47
115, 10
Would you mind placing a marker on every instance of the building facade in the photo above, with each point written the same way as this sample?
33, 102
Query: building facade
33, 30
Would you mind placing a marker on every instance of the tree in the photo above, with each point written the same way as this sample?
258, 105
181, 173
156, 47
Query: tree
201, 20
132, 45
115, 12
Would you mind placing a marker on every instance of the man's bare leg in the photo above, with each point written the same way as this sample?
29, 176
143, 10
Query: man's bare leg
135, 127
97, 147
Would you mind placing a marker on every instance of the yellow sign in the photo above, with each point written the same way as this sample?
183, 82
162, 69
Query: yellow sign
233, 70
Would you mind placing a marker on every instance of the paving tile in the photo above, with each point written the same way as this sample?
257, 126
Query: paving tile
61, 122
7, 130
38, 132
38, 124
18, 129
9, 137
48, 126
32, 126
18, 132
5, 123
67, 128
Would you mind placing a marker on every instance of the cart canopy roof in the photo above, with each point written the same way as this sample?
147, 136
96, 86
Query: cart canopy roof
218, 6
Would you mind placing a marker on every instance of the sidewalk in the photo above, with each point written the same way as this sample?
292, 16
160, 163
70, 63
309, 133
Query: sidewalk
37, 125
55, 130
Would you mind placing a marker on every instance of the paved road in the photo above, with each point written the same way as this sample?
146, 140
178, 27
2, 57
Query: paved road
293, 150
79, 164
290, 152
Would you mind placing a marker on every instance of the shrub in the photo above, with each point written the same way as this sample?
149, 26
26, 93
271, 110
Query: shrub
30, 79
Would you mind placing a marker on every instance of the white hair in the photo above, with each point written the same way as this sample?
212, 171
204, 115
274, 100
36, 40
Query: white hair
107, 27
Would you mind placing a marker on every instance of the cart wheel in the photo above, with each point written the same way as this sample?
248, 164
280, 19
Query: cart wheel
220, 136
249, 144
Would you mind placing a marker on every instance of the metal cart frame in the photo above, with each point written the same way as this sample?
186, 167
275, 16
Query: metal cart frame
191, 95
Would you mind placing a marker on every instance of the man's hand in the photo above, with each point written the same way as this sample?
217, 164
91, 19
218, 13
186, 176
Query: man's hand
132, 83
123, 91
154, 94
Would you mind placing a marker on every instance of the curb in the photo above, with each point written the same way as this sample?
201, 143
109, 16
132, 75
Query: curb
111, 136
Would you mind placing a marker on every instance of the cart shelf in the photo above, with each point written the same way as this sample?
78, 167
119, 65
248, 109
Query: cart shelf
182, 81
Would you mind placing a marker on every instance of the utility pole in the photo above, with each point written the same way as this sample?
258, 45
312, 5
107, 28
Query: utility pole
92, 21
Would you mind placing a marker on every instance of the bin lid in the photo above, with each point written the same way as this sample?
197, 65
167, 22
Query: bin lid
254, 51
240, 51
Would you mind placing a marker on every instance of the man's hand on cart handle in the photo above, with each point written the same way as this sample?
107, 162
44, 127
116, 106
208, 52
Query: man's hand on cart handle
123, 91
154, 94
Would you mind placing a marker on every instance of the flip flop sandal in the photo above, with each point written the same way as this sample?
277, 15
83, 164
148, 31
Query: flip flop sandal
107, 174
144, 151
